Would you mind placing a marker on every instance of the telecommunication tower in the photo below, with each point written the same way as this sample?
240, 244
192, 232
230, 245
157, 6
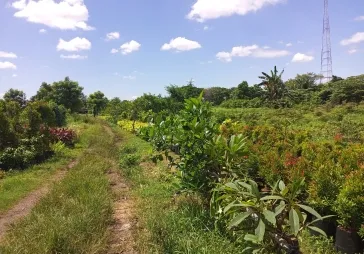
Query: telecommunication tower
326, 59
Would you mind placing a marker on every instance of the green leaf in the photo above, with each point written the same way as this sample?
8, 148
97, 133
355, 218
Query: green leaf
322, 218
251, 238
232, 186
318, 230
238, 219
231, 205
270, 216
294, 221
271, 197
260, 230
279, 208
310, 210
281, 185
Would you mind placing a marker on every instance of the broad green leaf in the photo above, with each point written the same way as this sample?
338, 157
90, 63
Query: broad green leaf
227, 208
247, 249
232, 186
318, 230
272, 197
281, 185
238, 219
311, 211
251, 238
270, 216
260, 230
279, 208
231, 205
294, 221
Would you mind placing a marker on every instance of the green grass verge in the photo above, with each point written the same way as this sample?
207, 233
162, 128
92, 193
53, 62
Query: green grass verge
74, 216
15, 185
168, 224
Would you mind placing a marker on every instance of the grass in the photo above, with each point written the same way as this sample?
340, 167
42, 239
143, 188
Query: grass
15, 185
168, 223
74, 216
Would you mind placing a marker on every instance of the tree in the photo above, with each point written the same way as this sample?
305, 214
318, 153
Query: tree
336, 78
15, 95
97, 102
179, 94
303, 81
244, 91
45, 93
273, 84
216, 95
69, 94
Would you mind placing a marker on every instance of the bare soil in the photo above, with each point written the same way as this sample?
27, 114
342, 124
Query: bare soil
25, 205
124, 223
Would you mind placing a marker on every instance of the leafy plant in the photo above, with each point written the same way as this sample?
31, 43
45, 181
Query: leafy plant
270, 218
66, 136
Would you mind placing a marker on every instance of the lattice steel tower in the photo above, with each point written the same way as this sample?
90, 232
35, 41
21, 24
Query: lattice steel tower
326, 59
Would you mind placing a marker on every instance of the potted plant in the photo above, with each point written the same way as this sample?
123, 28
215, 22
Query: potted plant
323, 190
350, 209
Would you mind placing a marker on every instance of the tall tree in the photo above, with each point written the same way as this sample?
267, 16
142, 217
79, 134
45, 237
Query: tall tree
273, 84
97, 102
45, 93
216, 95
69, 94
303, 81
16, 95
184, 92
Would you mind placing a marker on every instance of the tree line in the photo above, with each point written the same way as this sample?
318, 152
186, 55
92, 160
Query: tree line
272, 91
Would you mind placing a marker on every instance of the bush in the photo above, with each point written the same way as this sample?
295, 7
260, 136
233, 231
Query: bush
64, 135
350, 201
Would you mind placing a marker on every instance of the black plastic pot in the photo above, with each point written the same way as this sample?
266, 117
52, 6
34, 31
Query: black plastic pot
347, 241
328, 226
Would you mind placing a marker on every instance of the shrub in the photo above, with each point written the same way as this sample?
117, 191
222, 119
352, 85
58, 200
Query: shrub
131, 126
350, 201
130, 160
64, 135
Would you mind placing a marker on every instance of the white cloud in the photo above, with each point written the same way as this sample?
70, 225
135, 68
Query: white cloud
64, 14
181, 44
212, 9
224, 56
134, 97
206, 28
76, 44
252, 51
266, 47
356, 38
114, 51
7, 65
352, 51
130, 77
130, 47
42, 31
289, 44
73, 57
301, 58
1, 95
300, 42
4, 54
14, 75
112, 36
360, 18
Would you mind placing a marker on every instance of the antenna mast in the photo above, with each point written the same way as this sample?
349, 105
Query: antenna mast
326, 59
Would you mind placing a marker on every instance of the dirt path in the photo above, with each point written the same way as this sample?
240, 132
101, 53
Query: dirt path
25, 205
121, 239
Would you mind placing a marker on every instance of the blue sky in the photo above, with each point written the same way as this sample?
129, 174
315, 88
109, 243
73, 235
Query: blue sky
162, 42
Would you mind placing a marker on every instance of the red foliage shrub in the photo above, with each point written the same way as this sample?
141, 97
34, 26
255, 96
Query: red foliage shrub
67, 136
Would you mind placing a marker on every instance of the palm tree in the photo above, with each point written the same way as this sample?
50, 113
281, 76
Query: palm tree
273, 84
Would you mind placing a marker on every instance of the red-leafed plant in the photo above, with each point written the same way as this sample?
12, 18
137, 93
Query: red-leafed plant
67, 136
